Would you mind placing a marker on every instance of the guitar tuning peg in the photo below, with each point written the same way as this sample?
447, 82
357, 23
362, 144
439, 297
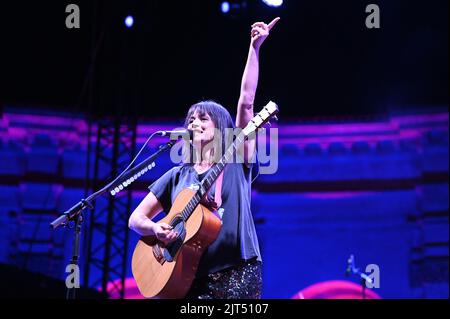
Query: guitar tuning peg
269, 124
275, 118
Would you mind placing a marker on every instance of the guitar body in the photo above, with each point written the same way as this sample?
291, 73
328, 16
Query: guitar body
168, 272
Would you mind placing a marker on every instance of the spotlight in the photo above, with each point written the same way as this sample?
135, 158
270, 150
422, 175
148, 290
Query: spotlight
129, 21
234, 8
225, 7
273, 3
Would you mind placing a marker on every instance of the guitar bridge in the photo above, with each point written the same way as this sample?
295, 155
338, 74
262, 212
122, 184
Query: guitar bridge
159, 256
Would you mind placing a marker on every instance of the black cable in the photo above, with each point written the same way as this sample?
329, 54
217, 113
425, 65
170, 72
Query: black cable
123, 172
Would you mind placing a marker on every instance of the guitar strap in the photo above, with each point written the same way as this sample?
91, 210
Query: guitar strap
218, 190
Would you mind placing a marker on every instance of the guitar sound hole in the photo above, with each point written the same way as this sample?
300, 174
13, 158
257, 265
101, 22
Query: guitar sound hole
171, 249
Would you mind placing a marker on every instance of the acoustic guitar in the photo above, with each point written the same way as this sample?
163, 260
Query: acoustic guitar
167, 271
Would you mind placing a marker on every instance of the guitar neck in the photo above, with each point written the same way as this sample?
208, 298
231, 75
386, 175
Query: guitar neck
212, 176
262, 117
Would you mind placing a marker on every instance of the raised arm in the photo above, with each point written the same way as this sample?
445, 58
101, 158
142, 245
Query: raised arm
249, 83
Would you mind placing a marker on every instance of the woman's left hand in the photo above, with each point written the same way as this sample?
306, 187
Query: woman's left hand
209, 203
260, 31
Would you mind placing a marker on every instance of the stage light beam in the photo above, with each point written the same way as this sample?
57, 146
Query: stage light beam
225, 7
129, 21
273, 3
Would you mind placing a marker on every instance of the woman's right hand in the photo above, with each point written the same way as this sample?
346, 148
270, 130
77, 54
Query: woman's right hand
164, 232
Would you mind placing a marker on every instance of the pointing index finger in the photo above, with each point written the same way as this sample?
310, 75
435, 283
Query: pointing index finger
274, 21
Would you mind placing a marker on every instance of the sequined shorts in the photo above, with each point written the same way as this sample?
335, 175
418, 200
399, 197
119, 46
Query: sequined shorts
240, 282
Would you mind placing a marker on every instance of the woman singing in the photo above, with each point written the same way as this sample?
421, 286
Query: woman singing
230, 268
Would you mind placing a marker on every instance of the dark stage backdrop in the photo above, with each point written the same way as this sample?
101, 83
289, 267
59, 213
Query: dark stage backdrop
321, 59
363, 145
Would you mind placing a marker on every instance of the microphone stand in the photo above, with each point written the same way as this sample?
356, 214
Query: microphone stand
364, 278
75, 213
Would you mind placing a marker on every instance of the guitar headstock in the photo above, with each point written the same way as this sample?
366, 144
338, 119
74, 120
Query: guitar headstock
269, 111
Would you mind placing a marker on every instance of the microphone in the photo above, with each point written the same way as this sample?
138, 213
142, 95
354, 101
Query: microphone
176, 134
350, 265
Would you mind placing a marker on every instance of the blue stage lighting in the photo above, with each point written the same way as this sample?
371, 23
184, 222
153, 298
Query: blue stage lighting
273, 3
129, 21
225, 7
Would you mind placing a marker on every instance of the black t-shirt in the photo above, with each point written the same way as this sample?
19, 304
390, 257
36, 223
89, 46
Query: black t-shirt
237, 239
